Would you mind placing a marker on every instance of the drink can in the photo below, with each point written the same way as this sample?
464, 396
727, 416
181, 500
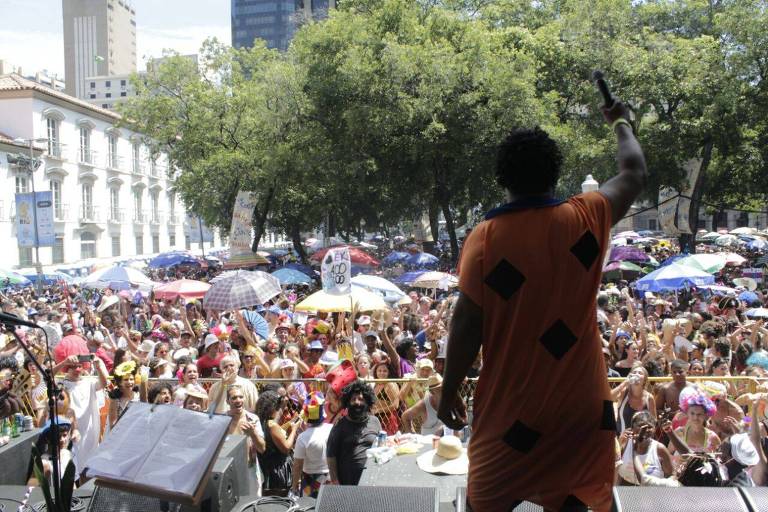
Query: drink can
382, 438
19, 419
29, 423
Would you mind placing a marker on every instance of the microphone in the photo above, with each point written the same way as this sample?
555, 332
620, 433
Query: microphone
602, 86
5, 318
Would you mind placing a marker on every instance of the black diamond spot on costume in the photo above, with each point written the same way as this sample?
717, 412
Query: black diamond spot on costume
558, 339
608, 421
521, 438
586, 249
573, 504
505, 279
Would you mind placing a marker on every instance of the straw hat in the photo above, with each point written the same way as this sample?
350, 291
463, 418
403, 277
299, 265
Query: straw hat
107, 302
434, 381
747, 282
449, 458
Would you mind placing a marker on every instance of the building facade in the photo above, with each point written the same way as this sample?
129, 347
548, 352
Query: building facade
274, 21
105, 91
99, 40
111, 197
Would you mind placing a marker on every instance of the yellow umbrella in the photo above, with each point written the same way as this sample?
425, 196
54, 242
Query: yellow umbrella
325, 302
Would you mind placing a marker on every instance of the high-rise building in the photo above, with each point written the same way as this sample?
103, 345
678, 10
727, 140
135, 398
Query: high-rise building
99, 40
275, 21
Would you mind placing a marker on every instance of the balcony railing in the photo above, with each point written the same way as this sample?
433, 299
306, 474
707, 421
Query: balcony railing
140, 217
114, 161
60, 212
116, 215
86, 156
55, 149
174, 218
156, 217
89, 213
137, 166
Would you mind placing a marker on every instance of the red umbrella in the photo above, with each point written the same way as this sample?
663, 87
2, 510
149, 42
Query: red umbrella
356, 254
187, 288
72, 345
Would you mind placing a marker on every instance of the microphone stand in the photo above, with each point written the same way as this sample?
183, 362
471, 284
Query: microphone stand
50, 385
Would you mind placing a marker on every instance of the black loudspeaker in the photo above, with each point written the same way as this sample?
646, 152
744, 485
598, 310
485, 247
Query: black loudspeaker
11, 497
755, 497
236, 447
351, 498
679, 499
222, 492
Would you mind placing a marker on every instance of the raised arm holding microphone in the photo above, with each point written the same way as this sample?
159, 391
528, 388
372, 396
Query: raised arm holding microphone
544, 424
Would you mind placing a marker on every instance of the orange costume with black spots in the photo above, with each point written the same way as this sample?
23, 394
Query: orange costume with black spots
543, 425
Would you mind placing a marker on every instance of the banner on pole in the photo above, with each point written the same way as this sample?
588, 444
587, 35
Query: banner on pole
674, 209
336, 271
25, 219
240, 233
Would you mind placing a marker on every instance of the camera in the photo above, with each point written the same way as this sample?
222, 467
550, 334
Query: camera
87, 358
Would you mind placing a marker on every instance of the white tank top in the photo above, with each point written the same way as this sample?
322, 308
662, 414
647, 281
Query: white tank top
431, 425
650, 461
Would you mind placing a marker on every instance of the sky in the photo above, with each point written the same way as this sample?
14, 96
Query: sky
31, 33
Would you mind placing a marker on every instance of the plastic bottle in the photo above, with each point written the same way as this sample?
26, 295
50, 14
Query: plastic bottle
5, 430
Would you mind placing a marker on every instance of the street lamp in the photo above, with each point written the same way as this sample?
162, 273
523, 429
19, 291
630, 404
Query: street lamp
590, 184
30, 164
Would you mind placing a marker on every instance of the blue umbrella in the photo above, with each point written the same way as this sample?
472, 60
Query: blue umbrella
758, 244
173, 258
291, 276
50, 278
422, 260
673, 277
304, 269
673, 259
408, 277
748, 297
257, 322
394, 258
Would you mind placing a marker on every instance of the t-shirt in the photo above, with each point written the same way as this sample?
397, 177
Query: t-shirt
310, 446
348, 442
535, 273
205, 364
314, 370
85, 404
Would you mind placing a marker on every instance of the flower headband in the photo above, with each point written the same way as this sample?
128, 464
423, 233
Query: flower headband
696, 397
126, 368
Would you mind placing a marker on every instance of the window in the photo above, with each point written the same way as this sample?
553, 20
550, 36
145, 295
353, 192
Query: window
114, 204
22, 184
85, 145
108, 95
87, 201
115, 246
58, 249
105, 105
652, 224
93, 85
58, 211
87, 245
154, 205
123, 93
172, 207
137, 215
187, 244
112, 151
108, 83
93, 96
25, 257
54, 149
122, 83
155, 243
172, 240
136, 151
139, 244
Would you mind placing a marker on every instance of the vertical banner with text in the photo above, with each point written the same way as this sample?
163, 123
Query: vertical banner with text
336, 271
240, 233
25, 219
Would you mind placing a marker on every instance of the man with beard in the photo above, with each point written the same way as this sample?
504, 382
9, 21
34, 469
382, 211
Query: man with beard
352, 435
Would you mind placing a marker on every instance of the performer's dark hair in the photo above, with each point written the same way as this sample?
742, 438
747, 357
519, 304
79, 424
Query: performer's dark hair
156, 389
355, 387
528, 161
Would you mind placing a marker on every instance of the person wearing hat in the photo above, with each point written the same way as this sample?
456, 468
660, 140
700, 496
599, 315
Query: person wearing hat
310, 466
195, 400
314, 353
425, 410
211, 358
413, 391
738, 454
252, 364
45, 443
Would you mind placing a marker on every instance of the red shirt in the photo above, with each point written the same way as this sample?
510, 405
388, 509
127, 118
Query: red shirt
314, 371
205, 364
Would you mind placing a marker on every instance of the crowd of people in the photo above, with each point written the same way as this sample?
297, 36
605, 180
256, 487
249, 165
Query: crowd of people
313, 395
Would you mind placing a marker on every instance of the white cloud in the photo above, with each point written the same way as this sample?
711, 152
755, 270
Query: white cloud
152, 42
32, 50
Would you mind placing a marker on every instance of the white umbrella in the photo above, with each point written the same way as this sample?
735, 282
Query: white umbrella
117, 278
727, 240
326, 302
241, 289
436, 280
376, 283
744, 231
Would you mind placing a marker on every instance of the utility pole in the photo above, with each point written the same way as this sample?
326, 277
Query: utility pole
202, 241
30, 164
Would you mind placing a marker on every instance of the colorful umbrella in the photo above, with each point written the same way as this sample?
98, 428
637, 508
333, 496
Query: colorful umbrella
117, 278
421, 260
241, 289
622, 266
629, 253
326, 302
357, 255
673, 277
727, 240
707, 262
172, 259
186, 288
288, 276
10, 278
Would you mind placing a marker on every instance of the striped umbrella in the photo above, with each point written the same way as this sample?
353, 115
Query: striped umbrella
10, 278
241, 289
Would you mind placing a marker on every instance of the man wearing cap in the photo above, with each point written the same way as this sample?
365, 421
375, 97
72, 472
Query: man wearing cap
314, 352
425, 410
211, 357
273, 319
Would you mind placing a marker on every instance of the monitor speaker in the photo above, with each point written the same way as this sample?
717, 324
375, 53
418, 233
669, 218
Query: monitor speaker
755, 497
222, 491
351, 498
679, 499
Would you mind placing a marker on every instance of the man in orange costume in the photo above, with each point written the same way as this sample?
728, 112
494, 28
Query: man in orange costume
543, 425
